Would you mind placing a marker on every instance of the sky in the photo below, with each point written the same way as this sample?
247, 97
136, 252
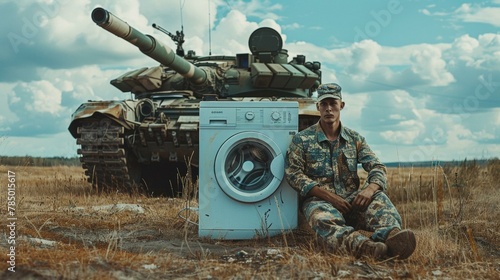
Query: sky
421, 79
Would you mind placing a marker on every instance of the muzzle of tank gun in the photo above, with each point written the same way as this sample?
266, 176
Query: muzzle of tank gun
148, 45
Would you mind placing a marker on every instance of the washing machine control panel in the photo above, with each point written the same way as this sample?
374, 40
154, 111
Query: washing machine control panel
255, 115
274, 117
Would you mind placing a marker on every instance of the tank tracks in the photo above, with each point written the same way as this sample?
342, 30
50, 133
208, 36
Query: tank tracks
103, 156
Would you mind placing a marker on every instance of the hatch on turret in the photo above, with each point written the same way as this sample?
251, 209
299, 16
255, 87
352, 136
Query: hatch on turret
265, 43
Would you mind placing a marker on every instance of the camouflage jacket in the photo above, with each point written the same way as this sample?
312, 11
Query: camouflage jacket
312, 159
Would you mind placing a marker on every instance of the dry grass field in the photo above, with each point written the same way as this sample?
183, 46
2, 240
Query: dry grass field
63, 229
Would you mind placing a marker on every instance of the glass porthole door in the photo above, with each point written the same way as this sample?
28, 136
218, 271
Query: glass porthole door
249, 166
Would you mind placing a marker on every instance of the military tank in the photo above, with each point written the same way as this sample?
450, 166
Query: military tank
151, 140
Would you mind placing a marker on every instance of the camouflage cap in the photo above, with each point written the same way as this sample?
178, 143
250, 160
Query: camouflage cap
331, 90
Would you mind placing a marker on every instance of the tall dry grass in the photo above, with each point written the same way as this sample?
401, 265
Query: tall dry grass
452, 209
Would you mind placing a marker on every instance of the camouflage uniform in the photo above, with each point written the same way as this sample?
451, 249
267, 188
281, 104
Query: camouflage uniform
313, 160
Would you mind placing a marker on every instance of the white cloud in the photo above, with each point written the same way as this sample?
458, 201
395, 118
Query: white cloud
45, 106
381, 108
475, 13
37, 107
400, 137
425, 12
354, 106
465, 45
85, 83
231, 35
292, 26
39, 97
396, 117
364, 58
237, 26
467, 12
261, 9
479, 53
428, 64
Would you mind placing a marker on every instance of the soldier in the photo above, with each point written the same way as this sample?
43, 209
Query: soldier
321, 165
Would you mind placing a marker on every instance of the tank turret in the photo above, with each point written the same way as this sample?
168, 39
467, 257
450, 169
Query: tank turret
243, 75
151, 140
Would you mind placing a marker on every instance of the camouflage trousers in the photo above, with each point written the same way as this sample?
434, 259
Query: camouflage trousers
338, 230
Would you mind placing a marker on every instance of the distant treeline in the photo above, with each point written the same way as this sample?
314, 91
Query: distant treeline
464, 162
38, 161
74, 161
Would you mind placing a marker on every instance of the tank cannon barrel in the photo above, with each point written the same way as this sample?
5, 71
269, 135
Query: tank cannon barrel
148, 45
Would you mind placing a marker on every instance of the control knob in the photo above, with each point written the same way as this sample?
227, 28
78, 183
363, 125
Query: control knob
275, 116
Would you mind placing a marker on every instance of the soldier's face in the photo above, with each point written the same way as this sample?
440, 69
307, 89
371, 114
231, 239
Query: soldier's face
329, 109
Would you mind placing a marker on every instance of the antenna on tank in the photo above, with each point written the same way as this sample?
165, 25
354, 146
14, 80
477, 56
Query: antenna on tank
181, 6
209, 31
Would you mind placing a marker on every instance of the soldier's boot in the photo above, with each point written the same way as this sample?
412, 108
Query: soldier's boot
361, 245
372, 249
400, 243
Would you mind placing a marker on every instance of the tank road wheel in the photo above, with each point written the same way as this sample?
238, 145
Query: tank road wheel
108, 165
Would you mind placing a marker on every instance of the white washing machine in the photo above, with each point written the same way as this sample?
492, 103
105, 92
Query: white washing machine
242, 190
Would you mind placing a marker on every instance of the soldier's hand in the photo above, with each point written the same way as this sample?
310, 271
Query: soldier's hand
363, 199
336, 201
340, 204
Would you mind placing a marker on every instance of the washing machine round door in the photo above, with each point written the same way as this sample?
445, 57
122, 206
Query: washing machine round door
249, 166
